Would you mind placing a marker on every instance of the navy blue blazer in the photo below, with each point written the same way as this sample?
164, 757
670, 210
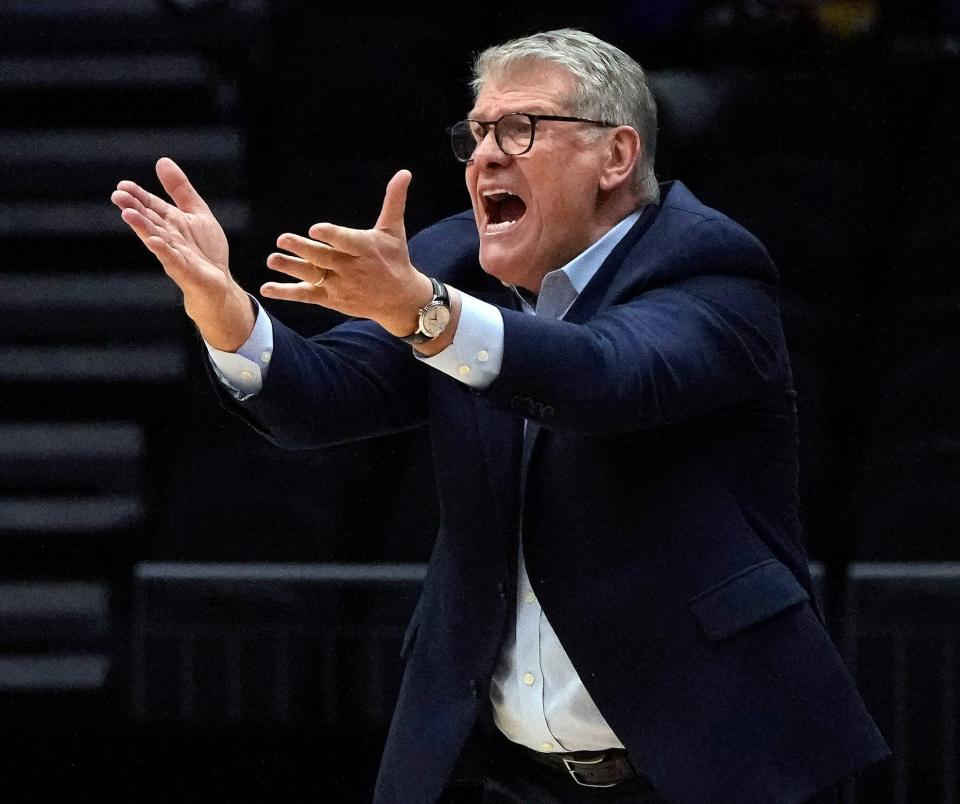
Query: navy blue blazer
658, 505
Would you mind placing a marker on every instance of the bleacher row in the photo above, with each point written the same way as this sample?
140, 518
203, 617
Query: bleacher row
161, 571
94, 351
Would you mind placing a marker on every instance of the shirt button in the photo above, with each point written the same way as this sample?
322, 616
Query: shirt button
529, 597
528, 679
483, 355
464, 369
246, 375
546, 747
264, 357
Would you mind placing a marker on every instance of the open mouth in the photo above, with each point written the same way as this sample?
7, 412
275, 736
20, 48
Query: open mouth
502, 209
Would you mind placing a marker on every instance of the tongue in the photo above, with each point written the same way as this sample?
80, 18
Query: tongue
512, 209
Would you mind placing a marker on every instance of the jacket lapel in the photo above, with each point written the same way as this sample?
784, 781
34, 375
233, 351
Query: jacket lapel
601, 290
507, 450
599, 293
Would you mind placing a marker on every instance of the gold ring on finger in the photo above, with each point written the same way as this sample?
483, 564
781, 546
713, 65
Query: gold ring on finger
323, 277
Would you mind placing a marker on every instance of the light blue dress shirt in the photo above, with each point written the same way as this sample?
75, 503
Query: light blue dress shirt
538, 699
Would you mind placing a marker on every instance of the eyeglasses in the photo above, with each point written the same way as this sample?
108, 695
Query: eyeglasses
513, 132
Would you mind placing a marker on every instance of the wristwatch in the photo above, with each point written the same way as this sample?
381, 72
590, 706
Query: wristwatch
433, 317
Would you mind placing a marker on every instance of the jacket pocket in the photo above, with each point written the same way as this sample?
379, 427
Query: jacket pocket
746, 598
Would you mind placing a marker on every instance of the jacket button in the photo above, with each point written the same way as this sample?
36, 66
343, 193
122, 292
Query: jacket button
474, 689
547, 411
516, 402
502, 589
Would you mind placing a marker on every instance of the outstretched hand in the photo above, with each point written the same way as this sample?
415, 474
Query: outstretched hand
192, 248
365, 273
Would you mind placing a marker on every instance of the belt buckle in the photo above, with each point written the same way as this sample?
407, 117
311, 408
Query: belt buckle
573, 771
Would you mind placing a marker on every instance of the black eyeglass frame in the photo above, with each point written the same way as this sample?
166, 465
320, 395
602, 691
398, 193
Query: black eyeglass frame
534, 121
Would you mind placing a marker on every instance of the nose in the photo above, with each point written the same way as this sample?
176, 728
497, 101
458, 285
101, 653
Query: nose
487, 154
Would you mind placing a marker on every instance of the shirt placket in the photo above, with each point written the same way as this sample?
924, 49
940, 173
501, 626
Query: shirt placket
530, 679
554, 301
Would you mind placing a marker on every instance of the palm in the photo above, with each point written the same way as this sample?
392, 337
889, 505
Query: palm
192, 248
184, 235
200, 235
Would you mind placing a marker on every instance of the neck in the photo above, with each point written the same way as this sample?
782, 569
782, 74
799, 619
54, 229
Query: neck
598, 230
613, 208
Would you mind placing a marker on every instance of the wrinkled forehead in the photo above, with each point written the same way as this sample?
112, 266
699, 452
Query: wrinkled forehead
531, 85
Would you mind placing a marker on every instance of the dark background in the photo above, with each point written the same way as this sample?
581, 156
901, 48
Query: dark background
188, 612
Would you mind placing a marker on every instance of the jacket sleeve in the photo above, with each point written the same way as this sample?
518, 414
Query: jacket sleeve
706, 335
356, 380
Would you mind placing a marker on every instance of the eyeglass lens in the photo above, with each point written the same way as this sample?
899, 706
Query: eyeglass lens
513, 133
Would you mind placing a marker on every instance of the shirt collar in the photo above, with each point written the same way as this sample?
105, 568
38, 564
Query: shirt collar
573, 277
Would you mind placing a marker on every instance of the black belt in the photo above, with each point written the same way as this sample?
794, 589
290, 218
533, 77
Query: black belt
607, 768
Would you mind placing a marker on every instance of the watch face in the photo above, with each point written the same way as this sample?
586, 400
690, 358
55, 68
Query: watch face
435, 320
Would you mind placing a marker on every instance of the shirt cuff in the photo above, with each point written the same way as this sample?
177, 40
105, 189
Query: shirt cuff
243, 371
475, 356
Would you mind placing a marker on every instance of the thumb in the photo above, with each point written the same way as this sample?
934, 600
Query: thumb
178, 186
394, 204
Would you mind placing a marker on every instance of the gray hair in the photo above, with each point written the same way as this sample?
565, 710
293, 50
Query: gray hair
611, 86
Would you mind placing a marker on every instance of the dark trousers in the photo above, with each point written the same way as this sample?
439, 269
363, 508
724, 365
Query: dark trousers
501, 775
528, 790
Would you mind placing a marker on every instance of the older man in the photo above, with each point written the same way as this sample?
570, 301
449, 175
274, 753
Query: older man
618, 605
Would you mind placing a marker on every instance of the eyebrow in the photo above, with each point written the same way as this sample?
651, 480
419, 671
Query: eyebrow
533, 108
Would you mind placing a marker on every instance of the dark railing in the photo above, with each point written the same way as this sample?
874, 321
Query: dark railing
904, 623
291, 644
280, 644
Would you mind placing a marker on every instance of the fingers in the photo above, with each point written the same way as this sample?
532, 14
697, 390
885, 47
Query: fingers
295, 267
173, 260
145, 198
345, 240
125, 201
144, 222
149, 227
178, 187
355, 242
285, 291
326, 256
394, 204
140, 224
368, 268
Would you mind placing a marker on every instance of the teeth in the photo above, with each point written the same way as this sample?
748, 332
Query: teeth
488, 193
493, 228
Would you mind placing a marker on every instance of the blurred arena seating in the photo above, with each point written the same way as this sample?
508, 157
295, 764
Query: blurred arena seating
186, 609
905, 503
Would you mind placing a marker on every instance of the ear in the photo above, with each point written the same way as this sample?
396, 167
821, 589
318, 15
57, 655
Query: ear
623, 151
